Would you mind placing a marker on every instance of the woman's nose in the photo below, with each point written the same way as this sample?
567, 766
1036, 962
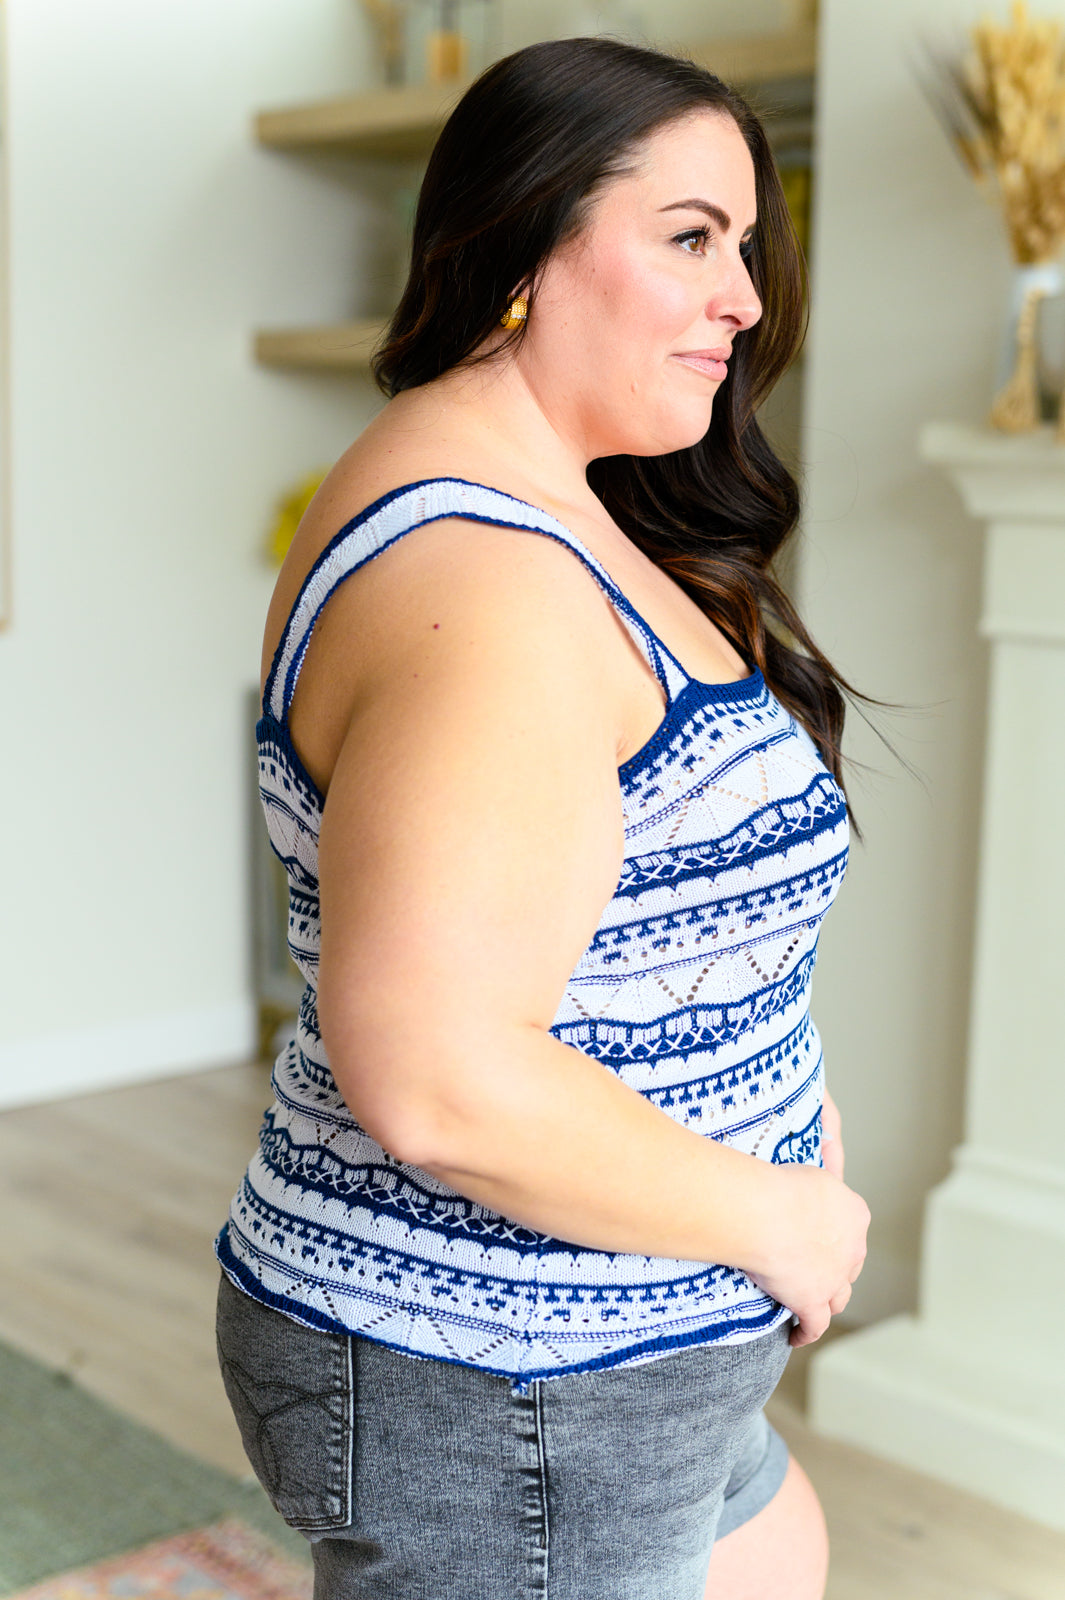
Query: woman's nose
736, 301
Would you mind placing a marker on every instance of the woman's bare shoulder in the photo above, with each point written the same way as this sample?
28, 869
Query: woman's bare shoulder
456, 597
381, 461
390, 455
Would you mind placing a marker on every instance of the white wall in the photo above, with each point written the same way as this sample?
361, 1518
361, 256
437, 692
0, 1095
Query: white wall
909, 273
149, 235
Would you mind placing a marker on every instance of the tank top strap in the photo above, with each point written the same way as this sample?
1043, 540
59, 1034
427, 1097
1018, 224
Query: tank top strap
412, 506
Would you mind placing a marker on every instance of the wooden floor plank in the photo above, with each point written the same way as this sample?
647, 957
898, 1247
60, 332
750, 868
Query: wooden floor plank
110, 1204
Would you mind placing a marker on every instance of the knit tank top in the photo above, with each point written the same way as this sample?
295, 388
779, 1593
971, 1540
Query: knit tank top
694, 990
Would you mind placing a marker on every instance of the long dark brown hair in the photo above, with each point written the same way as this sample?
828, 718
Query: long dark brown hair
512, 177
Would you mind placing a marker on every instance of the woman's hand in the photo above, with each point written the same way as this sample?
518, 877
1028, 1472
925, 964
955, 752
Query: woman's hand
818, 1247
831, 1138
818, 1287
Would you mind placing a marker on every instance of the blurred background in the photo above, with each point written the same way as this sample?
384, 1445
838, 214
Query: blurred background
197, 258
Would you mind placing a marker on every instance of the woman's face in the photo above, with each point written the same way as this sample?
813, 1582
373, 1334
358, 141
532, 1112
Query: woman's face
629, 318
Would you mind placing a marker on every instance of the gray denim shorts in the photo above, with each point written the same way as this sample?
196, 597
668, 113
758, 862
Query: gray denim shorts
426, 1480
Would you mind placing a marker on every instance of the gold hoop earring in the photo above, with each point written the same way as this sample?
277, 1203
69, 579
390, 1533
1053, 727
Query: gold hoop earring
516, 312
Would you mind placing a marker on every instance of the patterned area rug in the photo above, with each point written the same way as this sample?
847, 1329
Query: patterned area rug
80, 1482
227, 1561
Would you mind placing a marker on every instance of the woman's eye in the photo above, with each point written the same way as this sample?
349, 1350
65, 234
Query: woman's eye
696, 240
698, 236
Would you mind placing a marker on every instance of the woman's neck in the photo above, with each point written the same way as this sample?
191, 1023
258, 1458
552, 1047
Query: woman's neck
492, 414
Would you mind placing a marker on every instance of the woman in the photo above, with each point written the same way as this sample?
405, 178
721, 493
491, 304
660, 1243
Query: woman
561, 817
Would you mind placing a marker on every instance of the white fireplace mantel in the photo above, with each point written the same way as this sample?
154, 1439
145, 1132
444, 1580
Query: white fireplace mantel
971, 1389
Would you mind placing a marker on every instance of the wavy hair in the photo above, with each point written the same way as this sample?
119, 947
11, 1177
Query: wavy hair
512, 177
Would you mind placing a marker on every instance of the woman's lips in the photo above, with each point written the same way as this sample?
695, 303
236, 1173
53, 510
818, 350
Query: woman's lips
705, 363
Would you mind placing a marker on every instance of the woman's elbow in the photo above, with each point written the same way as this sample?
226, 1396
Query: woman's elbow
399, 1085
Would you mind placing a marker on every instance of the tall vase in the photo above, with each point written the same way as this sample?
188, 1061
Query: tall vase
1018, 401
390, 20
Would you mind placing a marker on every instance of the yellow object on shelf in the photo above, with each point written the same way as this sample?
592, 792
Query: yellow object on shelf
447, 55
290, 510
796, 184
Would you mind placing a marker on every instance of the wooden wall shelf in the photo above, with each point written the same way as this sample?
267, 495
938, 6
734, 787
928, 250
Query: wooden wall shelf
754, 59
395, 123
342, 346
402, 124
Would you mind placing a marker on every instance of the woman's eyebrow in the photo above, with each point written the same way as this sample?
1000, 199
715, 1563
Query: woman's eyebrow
722, 218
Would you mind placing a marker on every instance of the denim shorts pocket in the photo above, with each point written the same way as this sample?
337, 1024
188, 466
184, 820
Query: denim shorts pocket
292, 1394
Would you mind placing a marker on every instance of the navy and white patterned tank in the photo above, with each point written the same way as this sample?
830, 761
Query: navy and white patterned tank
694, 990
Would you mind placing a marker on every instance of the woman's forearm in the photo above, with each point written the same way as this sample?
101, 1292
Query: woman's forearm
548, 1136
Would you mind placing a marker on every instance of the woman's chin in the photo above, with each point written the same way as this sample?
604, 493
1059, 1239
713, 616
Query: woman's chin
680, 433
